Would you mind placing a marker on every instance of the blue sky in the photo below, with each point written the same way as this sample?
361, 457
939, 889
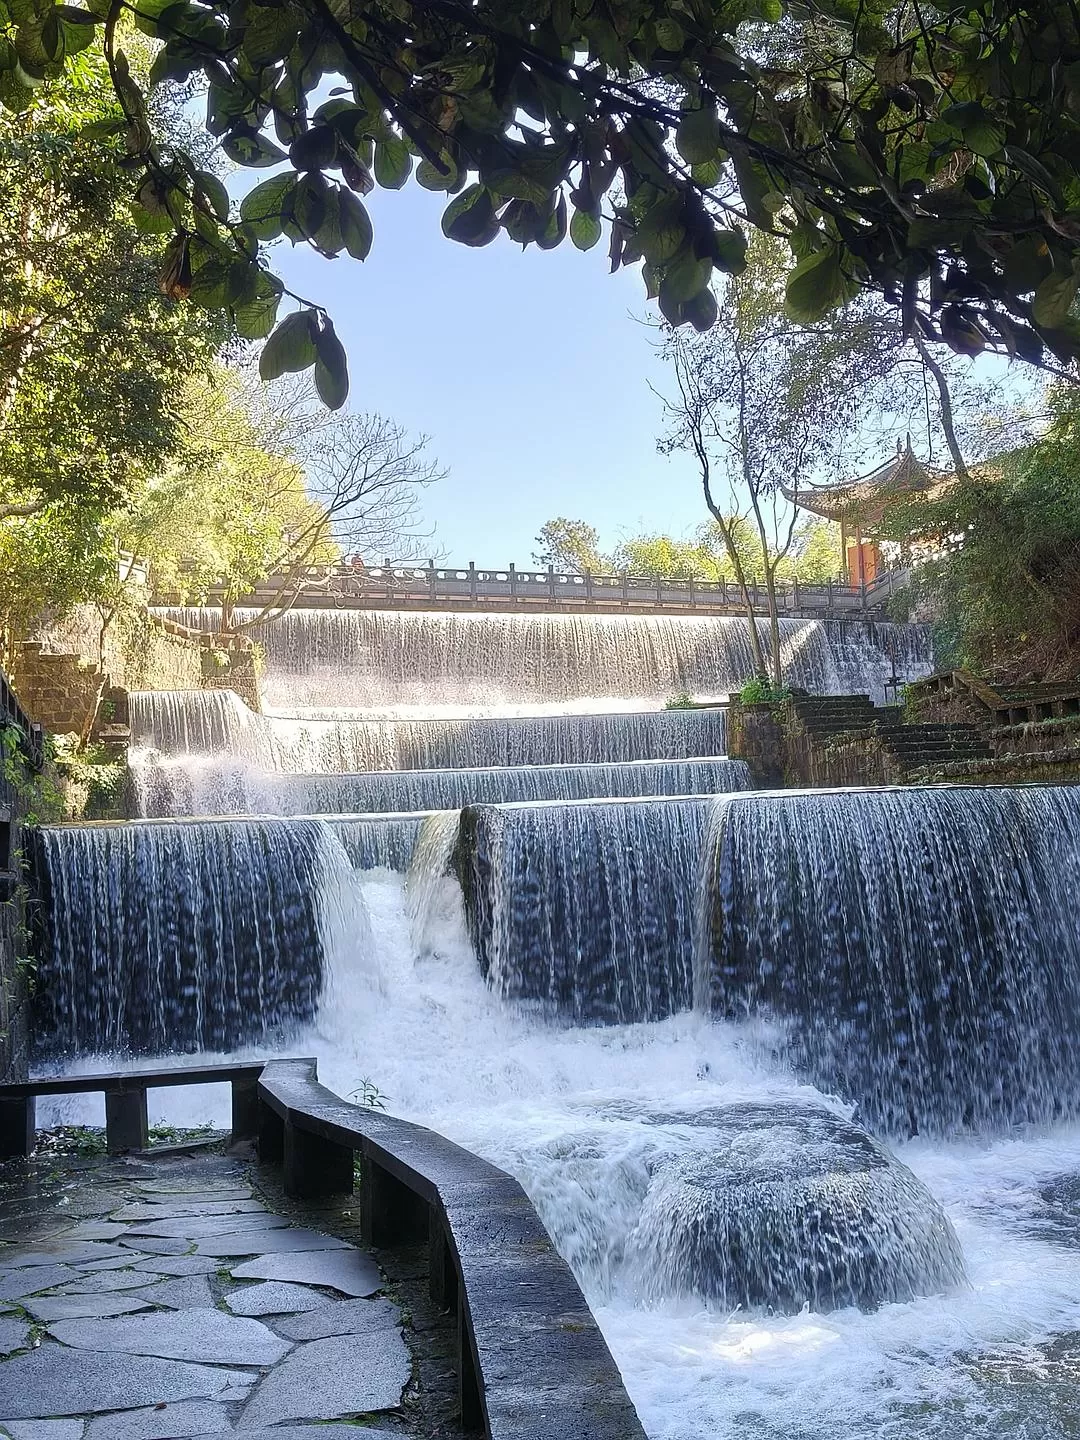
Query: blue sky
529, 370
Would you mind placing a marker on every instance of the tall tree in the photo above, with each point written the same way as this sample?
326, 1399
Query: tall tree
90, 350
570, 546
771, 406
924, 153
269, 486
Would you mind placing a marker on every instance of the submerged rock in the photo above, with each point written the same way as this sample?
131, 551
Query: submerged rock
784, 1206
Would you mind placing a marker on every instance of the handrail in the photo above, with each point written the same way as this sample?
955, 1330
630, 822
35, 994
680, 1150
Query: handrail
126, 1125
532, 1362
353, 583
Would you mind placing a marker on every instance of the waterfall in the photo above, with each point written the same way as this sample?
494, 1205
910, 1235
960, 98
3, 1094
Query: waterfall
196, 787
782, 1206
585, 909
920, 949
385, 659
198, 722
377, 841
163, 937
217, 724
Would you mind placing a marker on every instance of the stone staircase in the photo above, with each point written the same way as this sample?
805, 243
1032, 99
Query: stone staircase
907, 748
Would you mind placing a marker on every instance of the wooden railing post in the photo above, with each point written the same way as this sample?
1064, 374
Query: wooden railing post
271, 1136
442, 1272
472, 1409
390, 1213
245, 1108
126, 1125
17, 1127
315, 1167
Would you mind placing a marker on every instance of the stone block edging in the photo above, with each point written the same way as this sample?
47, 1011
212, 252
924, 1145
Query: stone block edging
532, 1362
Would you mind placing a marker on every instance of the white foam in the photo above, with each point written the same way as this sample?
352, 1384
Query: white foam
413, 1018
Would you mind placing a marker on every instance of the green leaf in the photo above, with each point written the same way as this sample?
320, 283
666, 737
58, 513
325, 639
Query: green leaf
687, 277
1027, 264
698, 135
291, 347
210, 283
247, 147
331, 368
975, 125
470, 217
356, 229
1035, 171
701, 311
554, 232
309, 206
523, 222
708, 174
1053, 299
670, 35
662, 232
393, 164
432, 178
315, 149
97, 129
585, 230
217, 197
754, 184
269, 33
172, 63
729, 251
255, 318
146, 223
816, 286
262, 208
52, 38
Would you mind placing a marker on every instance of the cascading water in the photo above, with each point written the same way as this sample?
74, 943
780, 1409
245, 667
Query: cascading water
374, 842
921, 947
216, 723
211, 788
384, 659
585, 909
183, 936
702, 1188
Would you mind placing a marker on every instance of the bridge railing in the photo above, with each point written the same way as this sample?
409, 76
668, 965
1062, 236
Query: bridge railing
472, 586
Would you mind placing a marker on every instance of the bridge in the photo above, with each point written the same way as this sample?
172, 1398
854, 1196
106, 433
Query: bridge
357, 586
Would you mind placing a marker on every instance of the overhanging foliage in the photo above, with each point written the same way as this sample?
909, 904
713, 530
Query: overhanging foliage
926, 153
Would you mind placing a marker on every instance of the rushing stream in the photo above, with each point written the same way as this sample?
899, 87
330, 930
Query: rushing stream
837, 1200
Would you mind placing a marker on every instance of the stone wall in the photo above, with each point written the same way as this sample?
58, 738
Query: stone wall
64, 672
58, 691
756, 734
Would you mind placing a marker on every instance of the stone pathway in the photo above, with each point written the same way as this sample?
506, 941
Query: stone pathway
160, 1299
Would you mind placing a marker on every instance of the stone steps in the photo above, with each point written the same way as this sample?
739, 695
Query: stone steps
911, 747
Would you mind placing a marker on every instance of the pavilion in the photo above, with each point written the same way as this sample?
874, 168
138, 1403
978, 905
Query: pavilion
858, 506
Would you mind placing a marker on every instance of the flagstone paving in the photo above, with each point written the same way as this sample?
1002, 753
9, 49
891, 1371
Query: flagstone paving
162, 1299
